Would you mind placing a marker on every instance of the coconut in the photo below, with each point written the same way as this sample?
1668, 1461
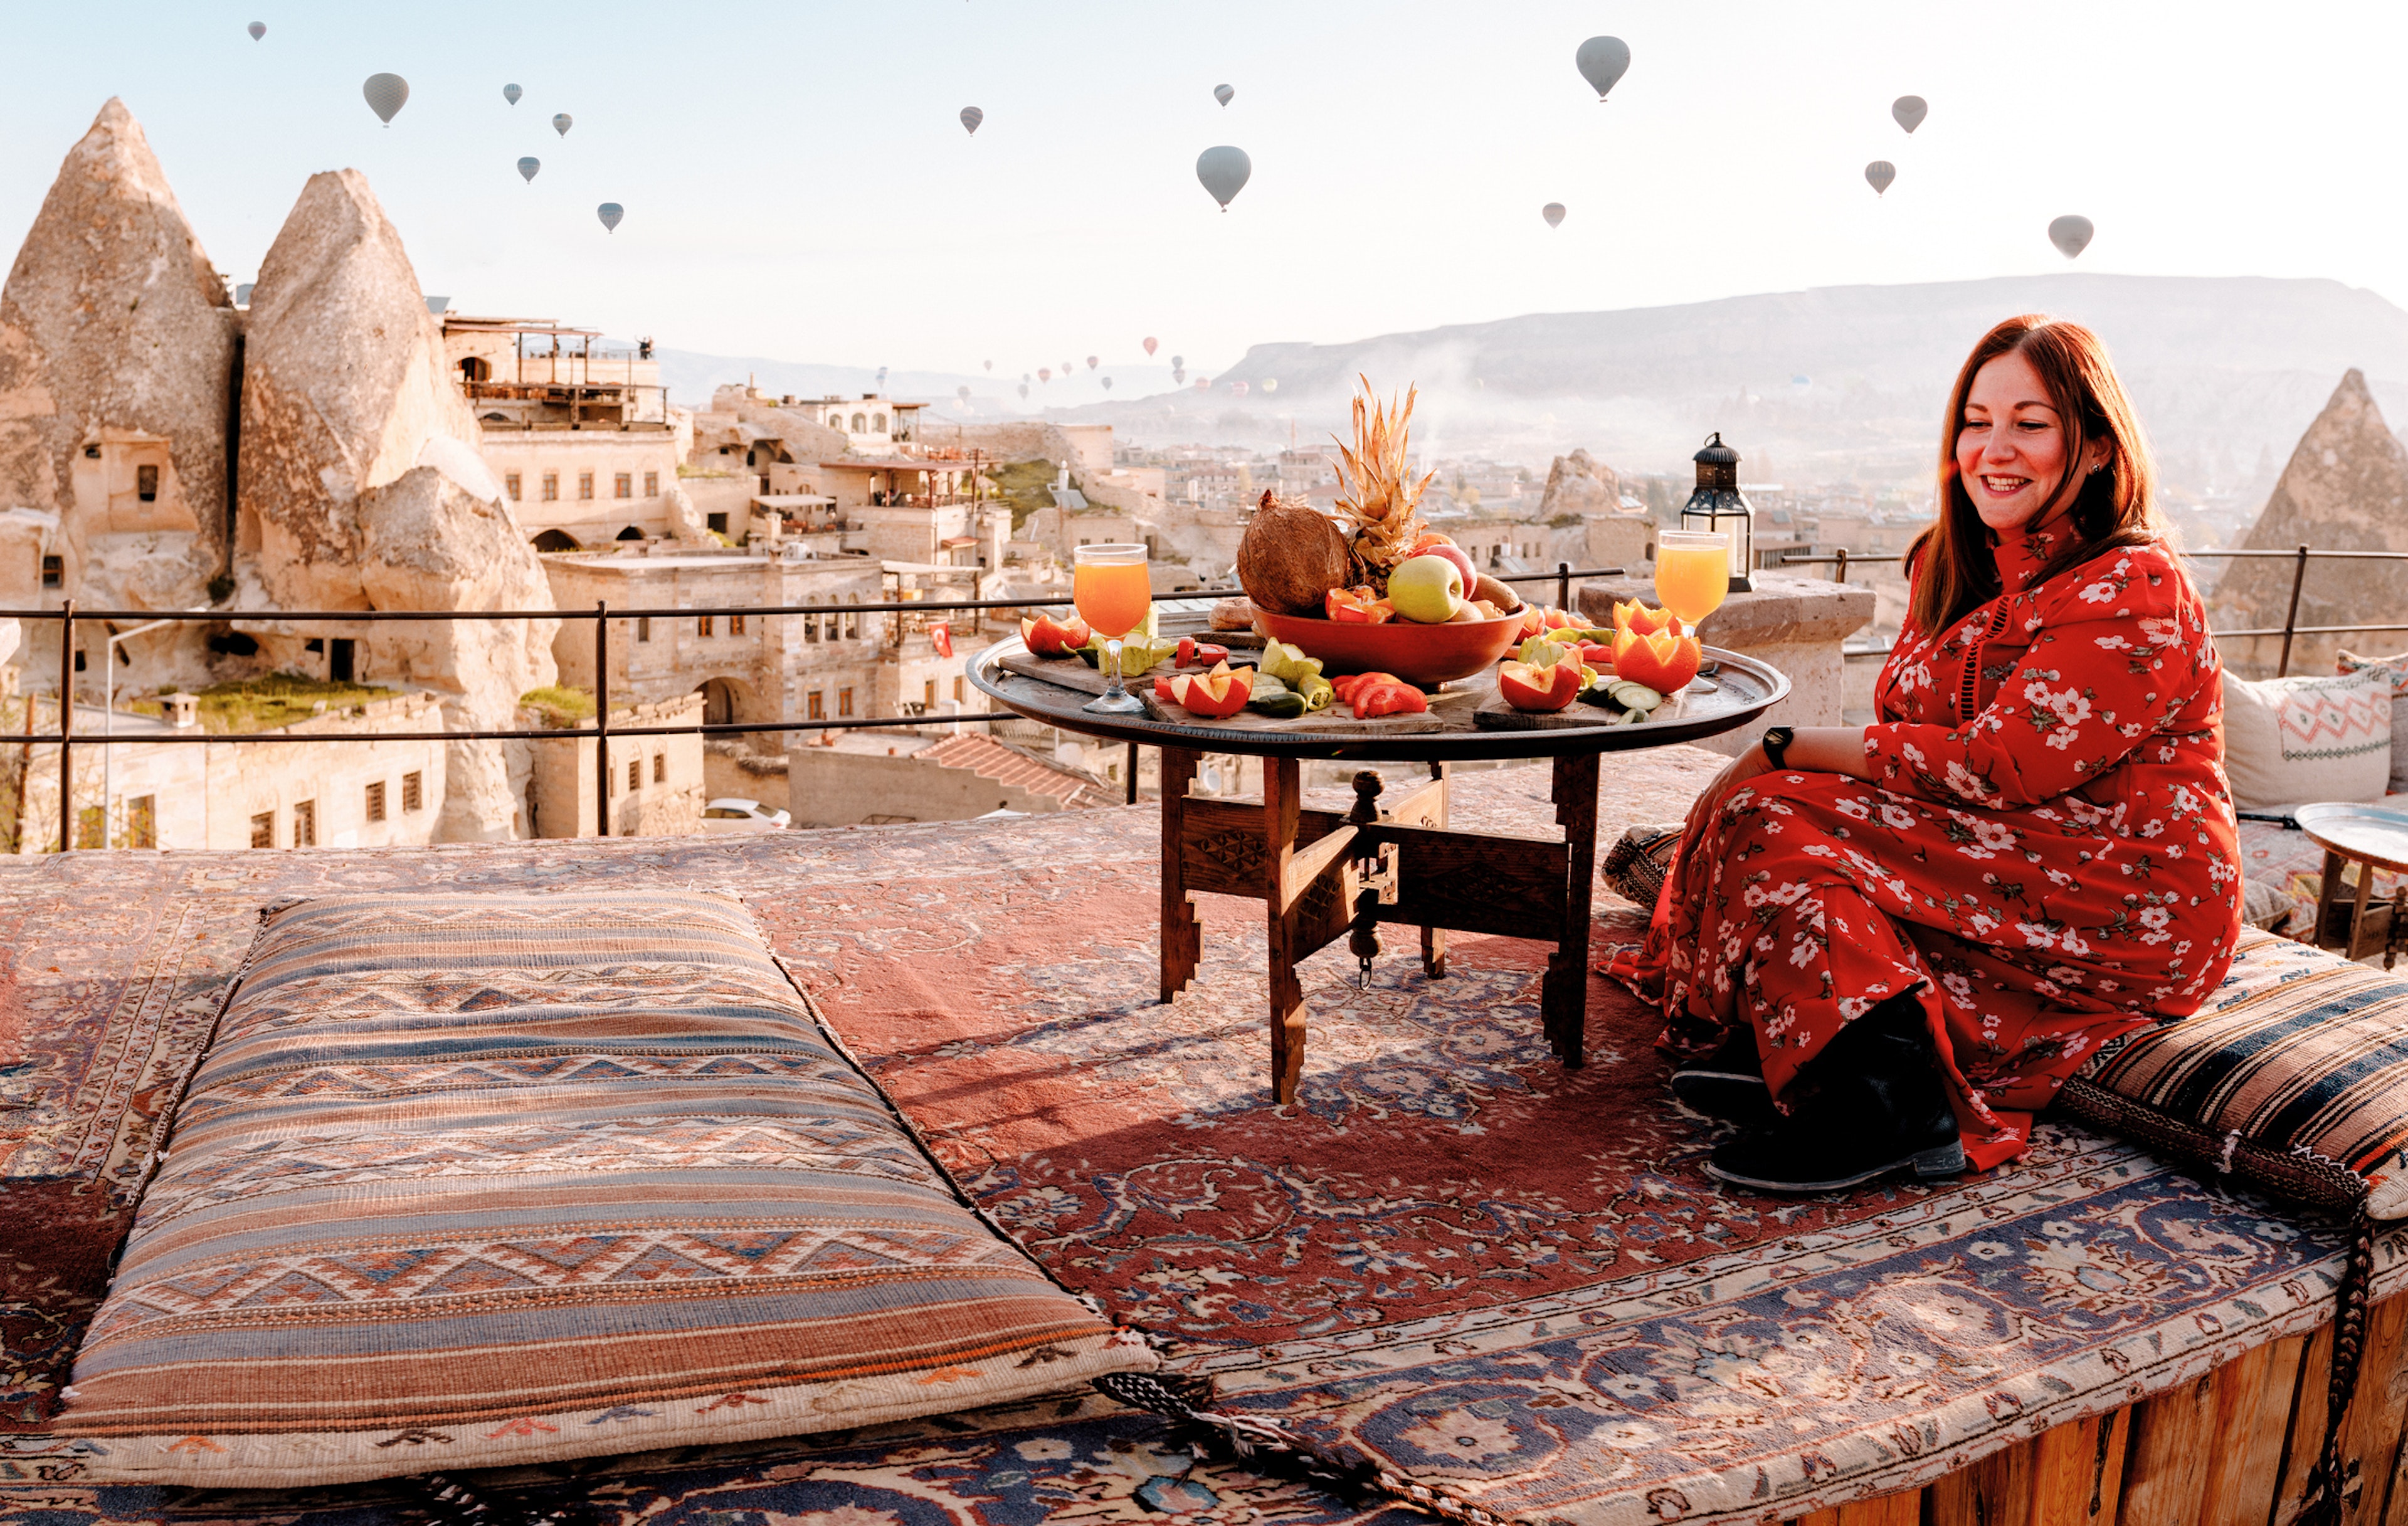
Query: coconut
1292, 555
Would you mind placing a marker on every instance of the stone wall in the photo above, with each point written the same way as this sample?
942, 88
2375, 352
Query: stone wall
838, 789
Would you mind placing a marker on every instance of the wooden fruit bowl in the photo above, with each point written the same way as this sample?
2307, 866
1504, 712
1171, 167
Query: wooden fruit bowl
1426, 656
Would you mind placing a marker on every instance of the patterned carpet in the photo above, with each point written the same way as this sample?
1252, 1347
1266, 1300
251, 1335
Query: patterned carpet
1450, 1252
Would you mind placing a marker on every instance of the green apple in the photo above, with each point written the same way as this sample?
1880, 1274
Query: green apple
1428, 589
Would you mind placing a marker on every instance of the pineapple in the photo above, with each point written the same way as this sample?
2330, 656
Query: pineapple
1377, 496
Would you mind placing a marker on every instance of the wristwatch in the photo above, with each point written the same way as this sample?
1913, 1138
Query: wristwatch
1776, 742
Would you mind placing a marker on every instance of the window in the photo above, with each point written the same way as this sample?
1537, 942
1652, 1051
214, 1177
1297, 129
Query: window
263, 830
413, 797
552, 487
818, 707
843, 703
652, 484
510, 486
635, 774
305, 824
643, 627
735, 625
660, 767
928, 693
146, 484
54, 571
141, 822
810, 627
584, 484
835, 420
376, 800
716, 524
857, 422
91, 827
702, 624
624, 485
958, 694
878, 423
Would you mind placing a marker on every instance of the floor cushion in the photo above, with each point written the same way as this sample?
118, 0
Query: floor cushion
2294, 1074
471, 1181
2291, 741
2395, 669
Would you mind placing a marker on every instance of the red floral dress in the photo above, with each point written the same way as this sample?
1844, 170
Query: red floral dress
2049, 854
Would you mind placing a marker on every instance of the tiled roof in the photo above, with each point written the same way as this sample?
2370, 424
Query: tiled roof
991, 759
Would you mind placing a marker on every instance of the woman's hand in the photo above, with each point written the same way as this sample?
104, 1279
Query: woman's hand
1738, 771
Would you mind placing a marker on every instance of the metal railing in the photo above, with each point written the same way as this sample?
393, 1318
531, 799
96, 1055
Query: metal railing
1842, 560
67, 617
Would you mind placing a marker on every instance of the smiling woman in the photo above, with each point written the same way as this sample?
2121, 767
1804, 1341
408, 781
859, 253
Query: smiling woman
1885, 946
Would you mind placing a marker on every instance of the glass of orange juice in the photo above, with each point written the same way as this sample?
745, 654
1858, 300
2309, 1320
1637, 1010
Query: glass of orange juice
1113, 590
1692, 573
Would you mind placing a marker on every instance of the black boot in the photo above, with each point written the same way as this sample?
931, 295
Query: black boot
1877, 1104
1727, 1086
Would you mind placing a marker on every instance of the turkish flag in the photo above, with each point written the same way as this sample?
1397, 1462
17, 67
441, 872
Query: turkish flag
941, 636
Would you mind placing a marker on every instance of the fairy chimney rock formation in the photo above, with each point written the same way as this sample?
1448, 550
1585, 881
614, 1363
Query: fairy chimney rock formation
1579, 483
116, 350
362, 486
2345, 489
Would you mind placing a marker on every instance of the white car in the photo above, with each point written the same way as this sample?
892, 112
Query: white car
734, 815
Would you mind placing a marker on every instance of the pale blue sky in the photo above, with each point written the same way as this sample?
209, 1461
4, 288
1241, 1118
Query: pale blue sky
797, 184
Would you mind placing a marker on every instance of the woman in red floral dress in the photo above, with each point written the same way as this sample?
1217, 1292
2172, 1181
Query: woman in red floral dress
1888, 946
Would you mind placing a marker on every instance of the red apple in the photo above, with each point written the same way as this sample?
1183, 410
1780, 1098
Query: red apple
1548, 688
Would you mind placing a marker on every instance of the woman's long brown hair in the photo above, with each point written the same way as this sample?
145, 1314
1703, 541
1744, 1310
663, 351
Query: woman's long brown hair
2117, 505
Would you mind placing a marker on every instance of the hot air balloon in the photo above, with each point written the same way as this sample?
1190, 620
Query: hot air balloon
257, 30
1270, 383
1090, 362
1107, 384
562, 122
1224, 171
1910, 110
2071, 234
882, 376
1023, 389
1602, 61
990, 365
1553, 212
527, 167
1222, 94
1178, 360
1150, 343
1044, 373
962, 392
1068, 368
609, 212
1879, 174
1203, 384
386, 93
1238, 388
971, 117
511, 93
1178, 375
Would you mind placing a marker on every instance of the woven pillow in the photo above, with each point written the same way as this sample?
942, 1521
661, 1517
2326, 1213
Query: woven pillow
2294, 1076
1637, 863
2291, 741
2395, 669
478, 1181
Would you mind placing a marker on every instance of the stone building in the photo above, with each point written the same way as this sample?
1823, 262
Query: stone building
656, 783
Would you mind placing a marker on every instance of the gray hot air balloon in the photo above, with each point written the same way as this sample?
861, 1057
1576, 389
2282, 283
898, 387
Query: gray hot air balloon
1553, 212
1879, 174
562, 122
527, 167
1177, 360
1222, 94
1224, 171
1090, 362
1107, 384
609, 212
511, 93
1602, 61
963, 392
1910, 110
257, 30
1178, 375
2071, 234
971, 117
386, 93
1150, 343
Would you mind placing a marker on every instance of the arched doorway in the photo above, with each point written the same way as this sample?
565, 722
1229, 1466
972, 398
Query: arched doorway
631, 533
475, 368
555, 541
723, 699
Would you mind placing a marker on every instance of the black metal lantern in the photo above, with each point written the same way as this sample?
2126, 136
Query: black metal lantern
1718, 505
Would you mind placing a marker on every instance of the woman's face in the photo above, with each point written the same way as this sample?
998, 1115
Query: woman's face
2012, 447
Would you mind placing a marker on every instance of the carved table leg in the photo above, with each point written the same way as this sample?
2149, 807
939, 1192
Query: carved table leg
1563, 1002
1434, 939
1182, 933
1281, 788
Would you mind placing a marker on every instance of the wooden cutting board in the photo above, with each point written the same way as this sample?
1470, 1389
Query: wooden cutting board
1448, 706
1495, 714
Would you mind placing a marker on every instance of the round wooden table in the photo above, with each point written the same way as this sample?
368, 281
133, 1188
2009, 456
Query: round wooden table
2372, 837
1327, 874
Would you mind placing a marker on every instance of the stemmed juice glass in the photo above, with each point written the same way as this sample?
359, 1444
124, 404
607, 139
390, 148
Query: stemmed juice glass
1113, 591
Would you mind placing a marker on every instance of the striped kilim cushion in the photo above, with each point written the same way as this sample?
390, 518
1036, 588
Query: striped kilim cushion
471, 1181
2294, 1074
